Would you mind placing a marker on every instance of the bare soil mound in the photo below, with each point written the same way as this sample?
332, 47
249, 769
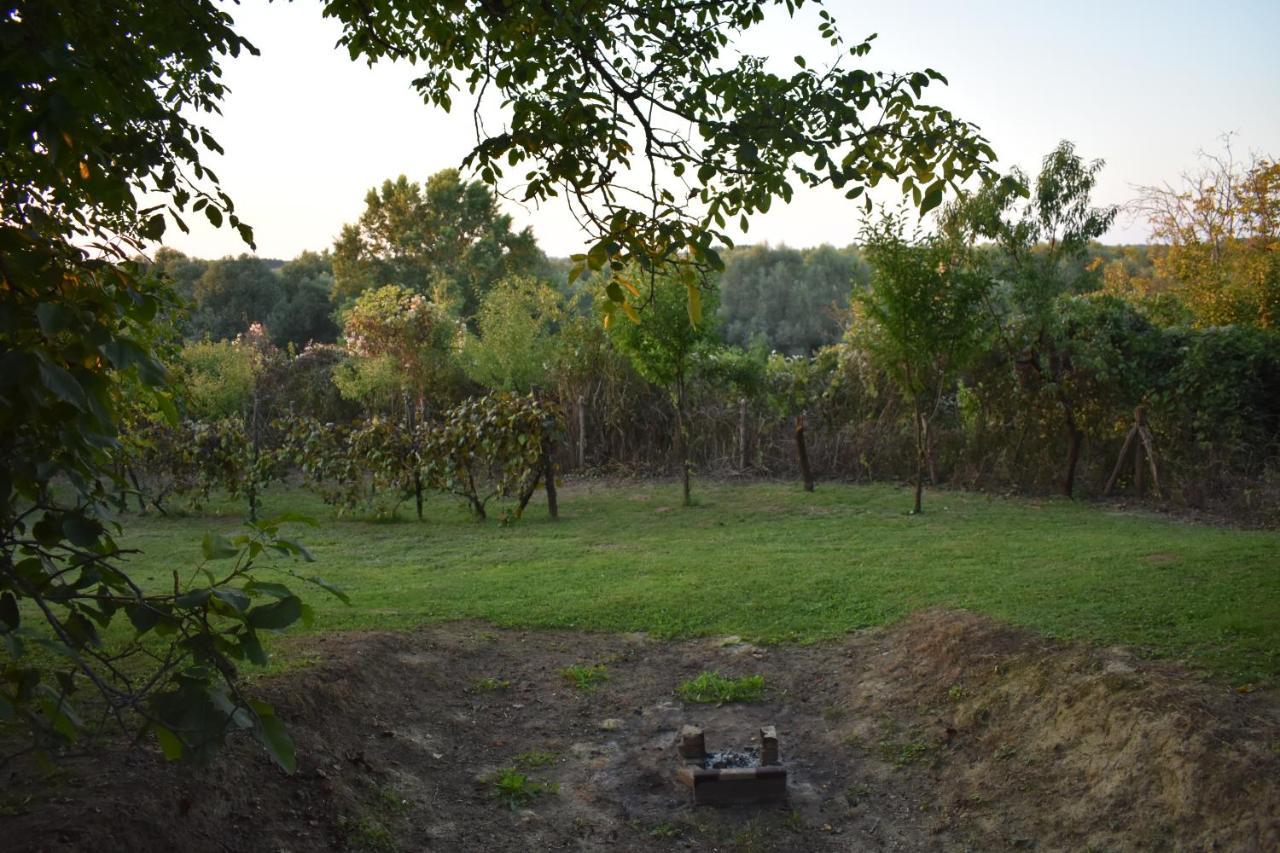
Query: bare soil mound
945, 732
1068, 747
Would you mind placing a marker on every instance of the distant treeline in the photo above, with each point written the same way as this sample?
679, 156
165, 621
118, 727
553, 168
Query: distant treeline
430, 299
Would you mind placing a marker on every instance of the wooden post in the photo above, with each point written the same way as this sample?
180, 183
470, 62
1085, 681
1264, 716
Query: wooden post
582, 432
802, 451
742, 433
1138, 440
1148, 443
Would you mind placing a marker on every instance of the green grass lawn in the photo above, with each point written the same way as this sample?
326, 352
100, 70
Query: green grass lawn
768, 562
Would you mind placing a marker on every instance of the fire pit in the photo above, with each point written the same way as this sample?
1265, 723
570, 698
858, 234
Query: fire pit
732, 777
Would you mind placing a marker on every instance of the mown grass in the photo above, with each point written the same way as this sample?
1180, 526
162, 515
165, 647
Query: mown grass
769, 563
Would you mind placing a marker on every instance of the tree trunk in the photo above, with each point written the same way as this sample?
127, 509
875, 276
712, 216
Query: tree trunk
683, 430
802, 451
920, 461
742, 433
253, 475
1075, 438
417, 491
928, 450
582, 432
549, 480
527, 494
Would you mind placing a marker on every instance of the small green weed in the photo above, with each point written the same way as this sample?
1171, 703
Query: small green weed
585, 677
902, 754
714, 687
366, 833
489, 684
534, 758
515, 789
753, 838
667, 829
390, 800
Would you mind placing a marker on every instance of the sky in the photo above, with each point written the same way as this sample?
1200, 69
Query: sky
1141, 85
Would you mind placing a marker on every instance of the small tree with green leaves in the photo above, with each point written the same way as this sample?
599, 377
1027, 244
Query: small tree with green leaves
515, 347
663, 342
492, 447
919, 320
1041, 246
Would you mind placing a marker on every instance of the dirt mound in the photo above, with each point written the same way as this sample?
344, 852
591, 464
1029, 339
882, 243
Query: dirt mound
1071, 747
944, 732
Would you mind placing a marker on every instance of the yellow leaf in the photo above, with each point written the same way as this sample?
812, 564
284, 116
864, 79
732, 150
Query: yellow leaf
695, 303
84, 170
631, 288
631, 312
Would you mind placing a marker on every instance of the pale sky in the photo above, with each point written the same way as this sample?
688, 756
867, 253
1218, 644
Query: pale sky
1142, 85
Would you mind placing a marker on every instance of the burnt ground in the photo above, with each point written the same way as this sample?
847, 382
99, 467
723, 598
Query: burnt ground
947, 731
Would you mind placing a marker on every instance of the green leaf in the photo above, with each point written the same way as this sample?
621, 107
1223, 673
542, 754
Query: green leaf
143, 616
333, 589
9, 610
252, 648
597, 256
170, 743
194, 599
932, 198
297, 548
81, 531
234, 598
275, 590
271, 732
63, 385
280, 614
216, 547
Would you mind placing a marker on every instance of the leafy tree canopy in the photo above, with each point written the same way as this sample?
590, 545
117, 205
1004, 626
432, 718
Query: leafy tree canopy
304, 314
405, 339
515, 347
231, 294
445, 234
638, 115
1219, 230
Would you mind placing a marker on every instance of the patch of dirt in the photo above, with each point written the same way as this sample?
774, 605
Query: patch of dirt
945, 732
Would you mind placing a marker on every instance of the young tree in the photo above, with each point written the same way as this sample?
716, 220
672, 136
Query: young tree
920, 319
1040, 244
515, 346
662, 344
447, 233
415, 338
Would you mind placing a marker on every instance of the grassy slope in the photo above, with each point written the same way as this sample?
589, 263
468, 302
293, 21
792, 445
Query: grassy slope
768, 562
